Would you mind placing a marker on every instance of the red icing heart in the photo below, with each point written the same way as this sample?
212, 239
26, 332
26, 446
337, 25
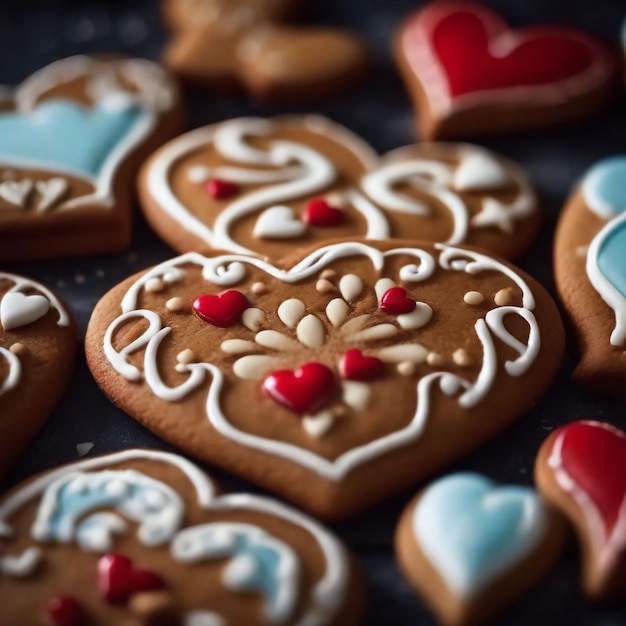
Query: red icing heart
356, 366
478, 52
63, 611
223, 310
118, 580
221, 189
593, 455
304, 390
396, 302
319, 213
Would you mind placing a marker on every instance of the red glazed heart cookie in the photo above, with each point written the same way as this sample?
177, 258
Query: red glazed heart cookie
145, 537
318, 382
581, 468
222, 45
303, 180
469, 73
37, 348
71, 138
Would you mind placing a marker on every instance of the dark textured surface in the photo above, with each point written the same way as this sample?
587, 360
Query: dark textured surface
34, 33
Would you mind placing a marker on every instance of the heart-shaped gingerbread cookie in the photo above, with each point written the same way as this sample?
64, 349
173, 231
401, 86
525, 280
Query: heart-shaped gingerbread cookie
278, 393
71, 137
469, 73
37, 348
153, 542
299, 180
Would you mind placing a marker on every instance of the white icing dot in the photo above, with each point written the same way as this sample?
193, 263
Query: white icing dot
328, 273
239, 571
381, 331
382, 286
318, 425
18, 348
275, 340
172, 276
350, 287
186, 356
462, 358
291, 312
154, 498
503, 297
116, 488
237, 346
406, 368
434, 360
400, 353
253, 366
252, 319
198, 174
175, 304
337, 311
473, 298
324, 286
154, 285
418, 317
356, 394
258, 288
311, 332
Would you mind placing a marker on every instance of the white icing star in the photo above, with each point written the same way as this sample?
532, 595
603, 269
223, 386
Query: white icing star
496, 214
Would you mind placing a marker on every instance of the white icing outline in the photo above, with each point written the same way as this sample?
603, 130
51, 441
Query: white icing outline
156, 96
15, 371
315, 173
228, 270
606, 548
608, 292
415, 42
327, 594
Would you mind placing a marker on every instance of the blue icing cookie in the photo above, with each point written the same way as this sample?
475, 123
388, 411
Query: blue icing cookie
604, 187
63, 134
473, 530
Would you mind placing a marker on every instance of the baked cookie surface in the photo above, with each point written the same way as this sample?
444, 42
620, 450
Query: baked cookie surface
266, 186
355, 368
37, 349
72, 137
144, 537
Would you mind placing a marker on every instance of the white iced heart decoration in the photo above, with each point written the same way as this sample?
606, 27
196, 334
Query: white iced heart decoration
17, 309
51, 191
480, 171
15, 192
279, 222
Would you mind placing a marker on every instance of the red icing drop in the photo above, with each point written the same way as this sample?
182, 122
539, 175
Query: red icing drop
356, 366
594, 457
479, 52
223, 310
221, 189
396, 302
118, 580
319, 213
63, 611
304, 390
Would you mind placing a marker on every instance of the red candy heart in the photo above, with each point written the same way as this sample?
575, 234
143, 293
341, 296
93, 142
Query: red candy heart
319, 213
221, 189
478, 52
304, 390
63, 611
118, 580
356, 366
223, 310
396, 302
593, 456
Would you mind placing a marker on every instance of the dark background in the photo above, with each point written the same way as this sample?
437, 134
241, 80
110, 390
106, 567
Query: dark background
34, 33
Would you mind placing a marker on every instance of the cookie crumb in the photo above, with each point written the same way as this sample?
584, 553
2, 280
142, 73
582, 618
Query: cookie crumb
84, 448
174, 304
186, 356
406, 368
473, 298
18, 348
434, 360
461, 358
258, 288
503, 297
154, 285
324, 286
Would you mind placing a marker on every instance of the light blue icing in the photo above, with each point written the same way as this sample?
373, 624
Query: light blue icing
271, 566
472, 530
604, 187
612, 256
64, 134
62, 513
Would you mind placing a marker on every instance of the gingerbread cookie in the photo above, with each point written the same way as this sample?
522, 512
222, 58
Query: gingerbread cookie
222, 44
37, 348
468, 73
470, 547
144, 538
591, 276
262, 186
285, 373
72, 137
580, 468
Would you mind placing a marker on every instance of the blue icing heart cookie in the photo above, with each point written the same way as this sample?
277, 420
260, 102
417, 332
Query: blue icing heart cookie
604, 187
66, 135
472, 531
